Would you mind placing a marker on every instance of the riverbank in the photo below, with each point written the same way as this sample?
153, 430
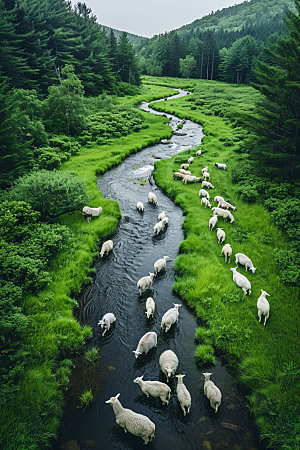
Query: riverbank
265, 359
33, 418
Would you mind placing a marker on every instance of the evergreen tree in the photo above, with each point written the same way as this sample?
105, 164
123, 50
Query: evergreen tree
128, 69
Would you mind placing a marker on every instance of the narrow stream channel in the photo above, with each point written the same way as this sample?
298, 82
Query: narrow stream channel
114, 290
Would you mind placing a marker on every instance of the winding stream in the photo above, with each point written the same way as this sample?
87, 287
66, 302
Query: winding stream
114, 290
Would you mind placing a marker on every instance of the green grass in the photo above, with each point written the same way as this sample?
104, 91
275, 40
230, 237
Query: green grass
259, 355
205, 355
34, 415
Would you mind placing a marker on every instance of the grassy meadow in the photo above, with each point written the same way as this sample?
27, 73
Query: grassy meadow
265, 359
54, 336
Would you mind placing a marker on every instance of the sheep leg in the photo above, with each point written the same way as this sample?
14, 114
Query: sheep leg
244, 290
266, 317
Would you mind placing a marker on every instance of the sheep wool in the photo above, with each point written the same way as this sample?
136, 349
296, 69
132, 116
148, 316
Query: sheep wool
170, 317
241, 281
183, 395
168, 362
160, 264
263, 306
106, 247
212, 392
148, 341
155, 389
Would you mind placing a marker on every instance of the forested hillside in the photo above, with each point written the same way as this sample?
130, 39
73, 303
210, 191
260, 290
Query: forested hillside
220, 46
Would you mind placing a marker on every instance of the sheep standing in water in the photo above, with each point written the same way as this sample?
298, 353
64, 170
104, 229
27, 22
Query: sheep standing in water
134, 423
91, 212
155, 389
212, 392
170, 317
106, 248
145, 283
160, 264
148, 341
152, 198
168, 362
140, 206
105, 323
183, 395
263, 306
162, 215
150, 307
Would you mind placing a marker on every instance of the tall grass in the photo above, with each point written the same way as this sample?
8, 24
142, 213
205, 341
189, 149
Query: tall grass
263, 357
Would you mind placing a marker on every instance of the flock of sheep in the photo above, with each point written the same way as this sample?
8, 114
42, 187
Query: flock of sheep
222, 210
138, 424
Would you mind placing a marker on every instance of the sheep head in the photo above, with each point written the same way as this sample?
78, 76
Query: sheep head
113, 399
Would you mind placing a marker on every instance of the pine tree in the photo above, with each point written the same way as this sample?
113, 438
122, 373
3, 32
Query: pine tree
128, 70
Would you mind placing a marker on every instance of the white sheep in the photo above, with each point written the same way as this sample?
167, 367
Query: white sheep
190, 160
170, 317
221, 235
204, 193
148, 341
226, 205
107, 246
245, 261
207, 184
150, 307
206, 175
107, 320
160, 226
223, 213
184, 166
241, 281
218, 199
160, 264
263, 306
205, 169
185, 172
130, 421
161, 215
168, 362
221, 166
212, 222
155, 389
91, 212
205, 201
145, 283
227, 251
198, 153
183, 395
212, 392
178, 176
191, 179
152, 198
140, 206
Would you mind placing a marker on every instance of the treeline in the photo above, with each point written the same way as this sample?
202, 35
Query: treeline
220, 53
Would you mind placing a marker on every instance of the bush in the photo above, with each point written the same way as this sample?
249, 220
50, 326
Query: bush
205, 354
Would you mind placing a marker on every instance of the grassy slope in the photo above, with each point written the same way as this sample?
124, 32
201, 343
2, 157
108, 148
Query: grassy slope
267, 357
34, 417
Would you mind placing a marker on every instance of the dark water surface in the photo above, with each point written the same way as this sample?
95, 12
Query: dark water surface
114, 290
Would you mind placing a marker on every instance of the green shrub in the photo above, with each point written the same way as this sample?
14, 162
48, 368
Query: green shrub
205, 354
86, 398
91, 356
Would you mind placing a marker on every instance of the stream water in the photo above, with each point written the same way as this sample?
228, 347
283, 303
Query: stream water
115, 290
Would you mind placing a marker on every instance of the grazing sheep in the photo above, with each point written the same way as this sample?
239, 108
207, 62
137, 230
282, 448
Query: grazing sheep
204, 193
245, 261
148, 341
183, 395
107, 320
178, 175
227, 251
218, 199
212, 392
161, 215
241, 281
155, 389
107, 246
207, 184
185, 172
170, 317
206, 175
160, 264
134, 423
191, 179
140, 206
150, 307
263, 306
221, 166
88, 212
221, 235
152, 198
190, 160
223, 213
198, 153
184, 166
212, 222
205, 201
226, 205
145, 283
205, 169
168, 362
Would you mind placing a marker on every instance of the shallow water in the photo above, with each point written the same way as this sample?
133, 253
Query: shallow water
114, 290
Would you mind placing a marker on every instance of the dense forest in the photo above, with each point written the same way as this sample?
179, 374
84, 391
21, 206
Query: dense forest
61, 75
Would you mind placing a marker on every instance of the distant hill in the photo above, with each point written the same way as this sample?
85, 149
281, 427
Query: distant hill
233, 18
134, 39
